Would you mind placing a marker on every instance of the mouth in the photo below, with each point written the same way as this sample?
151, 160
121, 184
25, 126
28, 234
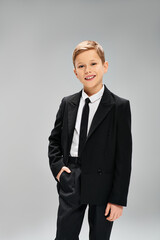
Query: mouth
89, 78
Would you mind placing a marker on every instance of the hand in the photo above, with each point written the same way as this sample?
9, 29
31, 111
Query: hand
60, 172
115, 211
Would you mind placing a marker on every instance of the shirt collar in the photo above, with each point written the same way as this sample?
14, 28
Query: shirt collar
95, 96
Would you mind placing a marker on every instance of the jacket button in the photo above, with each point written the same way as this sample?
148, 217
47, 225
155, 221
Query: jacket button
99, 171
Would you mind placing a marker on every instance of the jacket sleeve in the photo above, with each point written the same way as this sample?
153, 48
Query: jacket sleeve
54, 147
123, 155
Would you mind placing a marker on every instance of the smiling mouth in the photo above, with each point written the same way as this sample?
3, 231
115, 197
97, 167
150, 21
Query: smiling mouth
90, 78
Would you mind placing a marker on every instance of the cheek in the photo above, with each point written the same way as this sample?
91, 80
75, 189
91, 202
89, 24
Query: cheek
98, 69
80, 75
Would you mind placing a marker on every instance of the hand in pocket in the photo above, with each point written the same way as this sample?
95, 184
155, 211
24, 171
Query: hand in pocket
64, 168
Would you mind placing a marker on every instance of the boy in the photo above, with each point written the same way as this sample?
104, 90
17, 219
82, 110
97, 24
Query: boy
90, 150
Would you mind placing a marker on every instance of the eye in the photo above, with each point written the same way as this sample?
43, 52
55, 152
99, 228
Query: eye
80, 66
94, 63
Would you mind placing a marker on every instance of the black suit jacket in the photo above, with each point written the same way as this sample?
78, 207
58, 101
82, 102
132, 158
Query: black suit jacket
106, 156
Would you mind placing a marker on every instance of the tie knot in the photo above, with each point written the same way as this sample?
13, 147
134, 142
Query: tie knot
87, 100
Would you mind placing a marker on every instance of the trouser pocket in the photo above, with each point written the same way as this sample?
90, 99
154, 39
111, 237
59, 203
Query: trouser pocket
67, 180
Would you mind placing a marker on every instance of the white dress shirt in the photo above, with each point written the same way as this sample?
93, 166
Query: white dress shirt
95, 100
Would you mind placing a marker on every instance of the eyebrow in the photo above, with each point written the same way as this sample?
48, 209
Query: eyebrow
90, 60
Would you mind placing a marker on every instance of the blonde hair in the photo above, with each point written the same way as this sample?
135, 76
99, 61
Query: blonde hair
87, 45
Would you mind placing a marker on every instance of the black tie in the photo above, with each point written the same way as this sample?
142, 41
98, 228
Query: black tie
83, 126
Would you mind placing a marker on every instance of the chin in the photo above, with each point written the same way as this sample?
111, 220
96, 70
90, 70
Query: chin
91, 84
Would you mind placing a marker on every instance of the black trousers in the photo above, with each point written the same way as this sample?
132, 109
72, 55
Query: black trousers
71, 212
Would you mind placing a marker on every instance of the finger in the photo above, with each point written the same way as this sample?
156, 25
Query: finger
68, 170
107, 209
107, 212
118, 216
111, 217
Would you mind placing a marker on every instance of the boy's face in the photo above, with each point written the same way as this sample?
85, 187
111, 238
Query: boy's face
88, 64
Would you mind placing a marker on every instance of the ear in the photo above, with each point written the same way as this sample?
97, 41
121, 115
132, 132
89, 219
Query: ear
105, 66
75, 72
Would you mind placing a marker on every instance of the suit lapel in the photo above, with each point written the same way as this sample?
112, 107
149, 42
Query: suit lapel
103, 109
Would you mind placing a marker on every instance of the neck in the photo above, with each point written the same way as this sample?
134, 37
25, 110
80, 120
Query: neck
91, 91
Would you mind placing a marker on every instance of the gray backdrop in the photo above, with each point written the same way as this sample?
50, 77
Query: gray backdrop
37, 39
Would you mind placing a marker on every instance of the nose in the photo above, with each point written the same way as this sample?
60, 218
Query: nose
87, 69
